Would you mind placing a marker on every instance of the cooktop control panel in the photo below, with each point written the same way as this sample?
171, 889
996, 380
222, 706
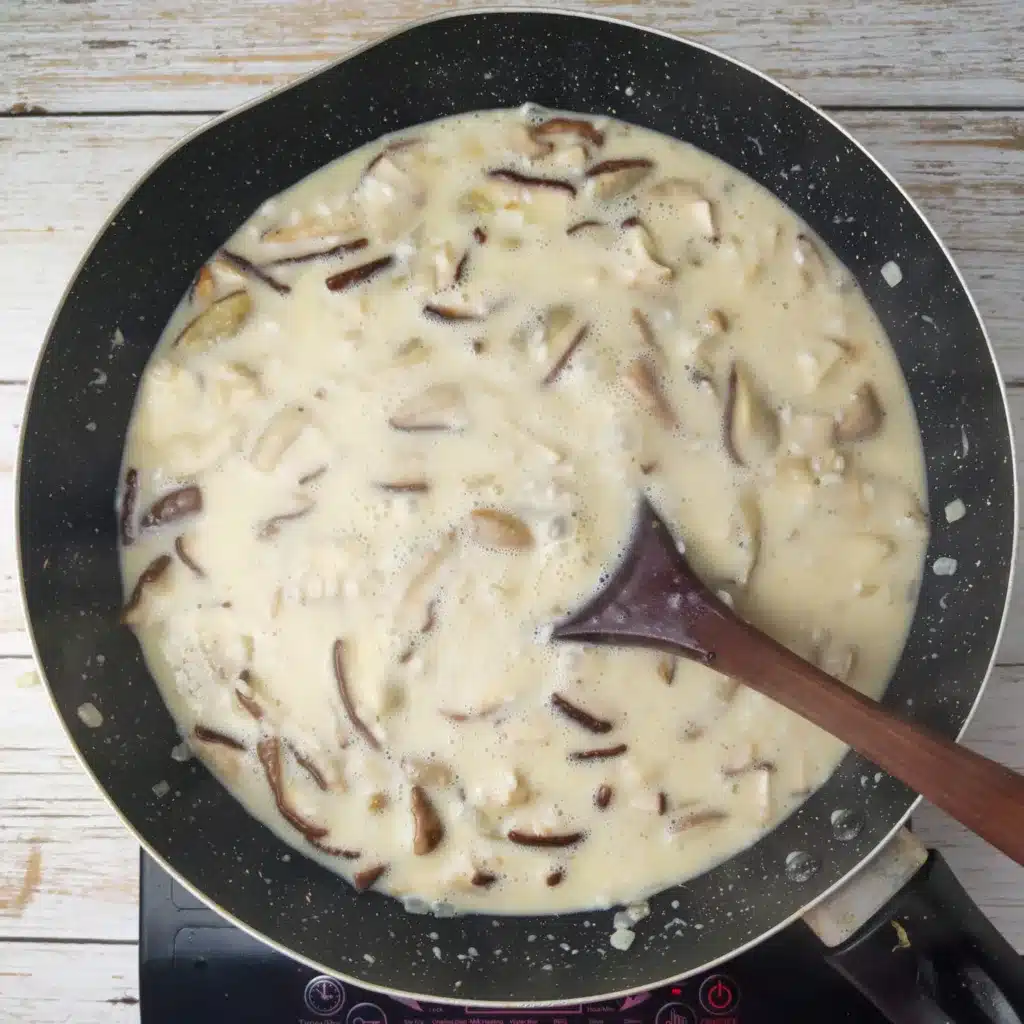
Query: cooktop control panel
196, 968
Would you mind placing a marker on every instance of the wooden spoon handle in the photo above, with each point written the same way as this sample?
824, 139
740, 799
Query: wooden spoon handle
987, 797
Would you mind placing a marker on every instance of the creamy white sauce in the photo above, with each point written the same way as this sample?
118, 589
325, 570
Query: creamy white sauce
422, 496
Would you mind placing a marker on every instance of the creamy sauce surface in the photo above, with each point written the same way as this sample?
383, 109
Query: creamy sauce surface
398, 427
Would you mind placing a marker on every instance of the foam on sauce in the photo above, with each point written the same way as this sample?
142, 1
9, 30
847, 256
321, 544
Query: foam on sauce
396, 429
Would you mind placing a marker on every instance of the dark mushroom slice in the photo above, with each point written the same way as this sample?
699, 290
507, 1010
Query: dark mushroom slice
428, 828
247, 267
310, 767
461, 267
479, 235
641, 380
271, 527
483, 879
667, 667
319, 254
390, 150
403, 486
861, 417
358, 275
249, 704
205, 734
529, 181
662, 802
751, 429
346, 697
441, 407
218, 322
599, 753
363, 880
603, 797
554, 878
152, 574
312, 476
544, 839
451, 314
710, 816
580, 716
572, 126
647, 335
613, 177
492, 528
129, 499
563, 360
268, 750
334, 851
185, 501
181, 550
753, 765
583, 226
204, 284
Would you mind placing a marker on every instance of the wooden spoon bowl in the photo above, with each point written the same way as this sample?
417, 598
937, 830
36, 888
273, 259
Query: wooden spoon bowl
654, 599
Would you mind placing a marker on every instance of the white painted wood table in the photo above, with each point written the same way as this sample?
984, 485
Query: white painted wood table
92, 91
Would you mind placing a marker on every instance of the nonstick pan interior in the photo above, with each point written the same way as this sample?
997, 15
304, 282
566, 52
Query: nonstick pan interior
130, 283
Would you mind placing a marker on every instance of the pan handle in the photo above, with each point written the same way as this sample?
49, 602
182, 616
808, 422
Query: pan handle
930, 956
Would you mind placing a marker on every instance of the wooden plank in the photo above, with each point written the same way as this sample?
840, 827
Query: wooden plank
66, 175
85, 887
68, 867
48, 983
108, 55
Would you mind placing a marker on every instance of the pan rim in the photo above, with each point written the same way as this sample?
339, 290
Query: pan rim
470, 13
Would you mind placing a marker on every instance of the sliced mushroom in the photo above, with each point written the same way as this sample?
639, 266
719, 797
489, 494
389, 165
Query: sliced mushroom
336, 224
428, 828
222, 320
688, 198
523, 838
205, 734
187, 558
808, 256
316, 255
528, 182
353, 276
603, 797
155, 573
643, 265
579, 715
493, 528
861, 417
204, 285
280, 433
271, 527
567, 340
441, 407
599, 753
268, 750
363, 880
641, 380
523, 141
341, 678
129, 499
646, 332
178, 504
710, 816
610, 178
571, 127
249, 269
751, 430
392, 194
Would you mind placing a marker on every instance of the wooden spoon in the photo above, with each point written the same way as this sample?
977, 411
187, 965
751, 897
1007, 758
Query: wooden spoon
654, 599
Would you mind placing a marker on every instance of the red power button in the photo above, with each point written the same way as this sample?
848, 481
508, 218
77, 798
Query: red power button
719, 995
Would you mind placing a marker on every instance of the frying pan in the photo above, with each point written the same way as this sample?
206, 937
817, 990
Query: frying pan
111, 318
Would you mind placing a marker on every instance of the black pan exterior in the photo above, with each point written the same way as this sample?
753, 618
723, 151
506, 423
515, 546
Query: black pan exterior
199, 195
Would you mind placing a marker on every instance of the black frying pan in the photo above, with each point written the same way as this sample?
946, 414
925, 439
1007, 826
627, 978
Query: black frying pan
199, 194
